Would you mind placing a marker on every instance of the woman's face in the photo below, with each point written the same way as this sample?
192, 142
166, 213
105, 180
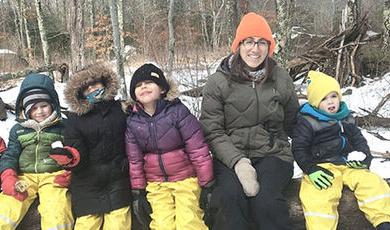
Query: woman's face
253, 51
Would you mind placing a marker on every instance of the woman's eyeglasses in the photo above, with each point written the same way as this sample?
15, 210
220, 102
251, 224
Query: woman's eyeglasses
249, 43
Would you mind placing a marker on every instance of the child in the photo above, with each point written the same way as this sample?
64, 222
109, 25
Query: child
323, 138
95, 150
26, 170
167, 154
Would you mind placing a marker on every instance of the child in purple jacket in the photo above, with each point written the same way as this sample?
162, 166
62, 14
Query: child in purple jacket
167, 153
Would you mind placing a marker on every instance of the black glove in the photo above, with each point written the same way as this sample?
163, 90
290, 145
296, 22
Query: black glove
205, 201
141, 207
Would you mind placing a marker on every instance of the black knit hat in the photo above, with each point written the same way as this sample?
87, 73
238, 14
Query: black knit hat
33, 96
148, 72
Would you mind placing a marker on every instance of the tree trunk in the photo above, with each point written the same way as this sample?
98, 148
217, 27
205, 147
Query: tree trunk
18, 12
117, 48
352, 9
42, 32
27, 31
232, 19
386, 25
171, 41
91, 13
216, 14
120, 22
284, 14
76, 28
205, 30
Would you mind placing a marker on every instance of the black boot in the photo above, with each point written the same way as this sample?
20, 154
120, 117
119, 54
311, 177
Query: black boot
383, 226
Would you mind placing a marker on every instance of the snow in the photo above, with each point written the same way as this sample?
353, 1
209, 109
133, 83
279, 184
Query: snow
6, 51
363, 98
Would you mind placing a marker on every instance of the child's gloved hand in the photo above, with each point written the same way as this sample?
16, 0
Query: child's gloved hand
358, 160
67, 157
356, 164
63, 179
9, 179
141, 207
321, 178
247, 176
205, 201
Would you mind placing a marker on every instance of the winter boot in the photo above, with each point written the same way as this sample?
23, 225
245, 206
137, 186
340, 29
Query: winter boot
383, 226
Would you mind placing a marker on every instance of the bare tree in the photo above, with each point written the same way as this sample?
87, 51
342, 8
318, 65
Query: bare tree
204, 23
18, 20
76, 28
42, 32
117, 48
232, 19
120, 22
26, 30
91, 12
284, 15
352, 12
386, 25
216, 13
171, 39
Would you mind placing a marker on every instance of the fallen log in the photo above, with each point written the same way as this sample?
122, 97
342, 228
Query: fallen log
350, 217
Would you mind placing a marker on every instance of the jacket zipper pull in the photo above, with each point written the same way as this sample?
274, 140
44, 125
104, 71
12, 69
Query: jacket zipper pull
341, 126
253, 83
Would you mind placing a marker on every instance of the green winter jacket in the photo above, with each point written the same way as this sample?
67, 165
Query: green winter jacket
29, 142
243, 119
29, 145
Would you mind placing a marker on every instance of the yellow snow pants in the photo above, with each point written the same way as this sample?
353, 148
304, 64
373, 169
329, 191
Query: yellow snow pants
117, 219
54, 203
320, 206
175, 205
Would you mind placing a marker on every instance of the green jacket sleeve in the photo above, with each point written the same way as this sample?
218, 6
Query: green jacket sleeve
10, 158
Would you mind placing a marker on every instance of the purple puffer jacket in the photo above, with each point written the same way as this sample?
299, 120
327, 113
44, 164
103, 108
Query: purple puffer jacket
169, 146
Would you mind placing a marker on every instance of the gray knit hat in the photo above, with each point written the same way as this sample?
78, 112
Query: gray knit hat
33, 96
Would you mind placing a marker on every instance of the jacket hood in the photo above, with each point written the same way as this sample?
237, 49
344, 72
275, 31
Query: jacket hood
37, 81
225, 68
81, 79
172, 94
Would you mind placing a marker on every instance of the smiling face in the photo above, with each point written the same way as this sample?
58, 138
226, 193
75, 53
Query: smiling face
330, 103
147, 93
40, 111
253, 51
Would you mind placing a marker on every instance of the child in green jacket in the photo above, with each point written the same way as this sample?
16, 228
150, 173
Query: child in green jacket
27, 171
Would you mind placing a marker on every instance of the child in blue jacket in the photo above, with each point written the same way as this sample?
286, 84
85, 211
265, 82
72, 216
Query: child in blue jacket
332, 152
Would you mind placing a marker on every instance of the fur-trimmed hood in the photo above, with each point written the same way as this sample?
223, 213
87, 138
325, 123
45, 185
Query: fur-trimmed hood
96, 72
171, 95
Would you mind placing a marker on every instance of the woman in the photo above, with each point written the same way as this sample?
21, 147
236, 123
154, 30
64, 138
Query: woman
249, 107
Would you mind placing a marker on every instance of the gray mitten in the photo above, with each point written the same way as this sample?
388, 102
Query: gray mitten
247, 176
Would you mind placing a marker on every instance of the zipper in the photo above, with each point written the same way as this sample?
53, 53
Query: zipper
36, 151
160, 161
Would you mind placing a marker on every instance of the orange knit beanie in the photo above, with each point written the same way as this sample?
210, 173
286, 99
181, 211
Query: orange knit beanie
253, 25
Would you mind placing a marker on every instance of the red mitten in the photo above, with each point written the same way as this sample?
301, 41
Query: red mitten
67, 157
3, 147
8, 182
63, 179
